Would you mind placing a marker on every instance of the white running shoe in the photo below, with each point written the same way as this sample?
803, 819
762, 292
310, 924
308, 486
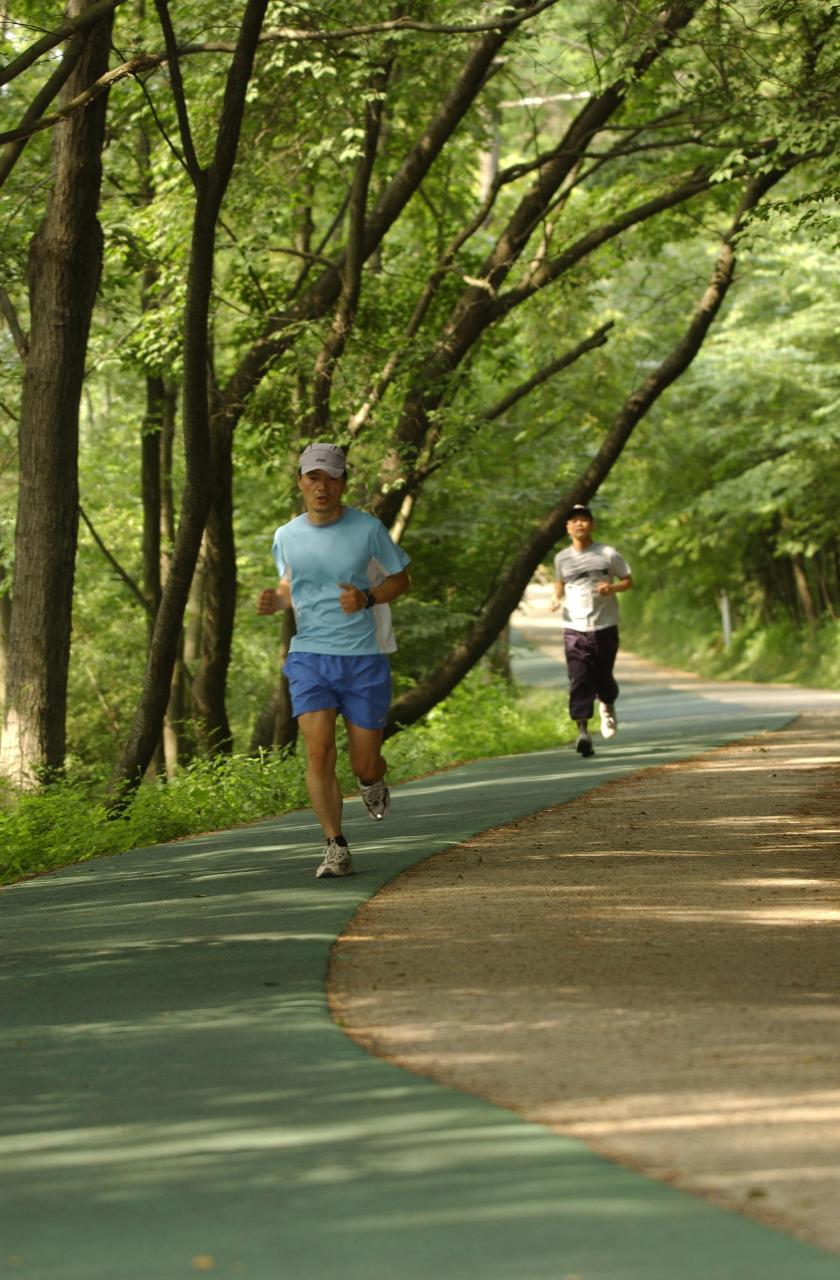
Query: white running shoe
377, 799
337, 860
584, 745
609, 723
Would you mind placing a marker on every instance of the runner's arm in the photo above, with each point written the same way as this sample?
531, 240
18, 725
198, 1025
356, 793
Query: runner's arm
352, 600
559, 592
613, 588
275, 598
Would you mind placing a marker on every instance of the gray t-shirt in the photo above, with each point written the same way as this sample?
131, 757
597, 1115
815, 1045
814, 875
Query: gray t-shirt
580, 572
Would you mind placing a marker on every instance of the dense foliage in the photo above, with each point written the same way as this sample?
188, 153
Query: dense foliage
730, 497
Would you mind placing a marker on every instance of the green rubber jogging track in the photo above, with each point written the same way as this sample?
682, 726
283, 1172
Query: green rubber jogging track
176, 1099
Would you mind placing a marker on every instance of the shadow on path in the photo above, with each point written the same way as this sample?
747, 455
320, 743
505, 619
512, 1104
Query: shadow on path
651, 967
176, 1098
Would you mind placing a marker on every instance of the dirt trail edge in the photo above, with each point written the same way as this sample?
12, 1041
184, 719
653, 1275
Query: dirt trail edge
652, 968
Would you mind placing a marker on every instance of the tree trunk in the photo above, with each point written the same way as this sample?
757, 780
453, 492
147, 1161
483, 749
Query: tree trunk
195, 503
822, 581
177, 748
282, 330
65, 260
722, 598
150, 491
211, 185
209, 688
803, 591
150, 484
498, 655
5, 622
180, 738
276, 726
210, 680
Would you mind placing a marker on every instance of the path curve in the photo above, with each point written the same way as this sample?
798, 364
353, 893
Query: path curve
177, 1099
652, 966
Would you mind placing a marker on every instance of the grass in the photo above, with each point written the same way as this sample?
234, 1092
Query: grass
667, 628
66, 823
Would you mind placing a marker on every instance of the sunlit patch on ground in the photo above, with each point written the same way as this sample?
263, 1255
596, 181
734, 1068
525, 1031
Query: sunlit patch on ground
651, 967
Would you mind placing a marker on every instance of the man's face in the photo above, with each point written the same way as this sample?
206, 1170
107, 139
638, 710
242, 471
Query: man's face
580, 528
321, 492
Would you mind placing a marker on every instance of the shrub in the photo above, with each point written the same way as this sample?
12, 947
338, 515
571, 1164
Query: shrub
66, 822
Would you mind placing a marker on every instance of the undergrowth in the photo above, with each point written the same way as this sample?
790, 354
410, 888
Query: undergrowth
673, 631
68, 822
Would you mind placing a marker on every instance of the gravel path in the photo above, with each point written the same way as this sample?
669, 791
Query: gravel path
651, 967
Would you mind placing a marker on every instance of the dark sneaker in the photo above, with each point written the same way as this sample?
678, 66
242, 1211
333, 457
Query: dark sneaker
377, 799
584, 745
337, 860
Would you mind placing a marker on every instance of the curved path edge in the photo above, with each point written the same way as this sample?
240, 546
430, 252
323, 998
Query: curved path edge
177, 1098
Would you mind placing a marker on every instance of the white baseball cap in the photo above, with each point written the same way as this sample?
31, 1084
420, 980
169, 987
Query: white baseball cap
323, 457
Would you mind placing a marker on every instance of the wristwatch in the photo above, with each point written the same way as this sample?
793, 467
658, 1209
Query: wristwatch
369, 600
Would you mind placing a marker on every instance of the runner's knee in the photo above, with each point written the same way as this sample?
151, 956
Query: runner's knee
367, 762
321, 754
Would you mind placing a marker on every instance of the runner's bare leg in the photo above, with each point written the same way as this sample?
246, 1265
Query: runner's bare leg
318, 729
366, 759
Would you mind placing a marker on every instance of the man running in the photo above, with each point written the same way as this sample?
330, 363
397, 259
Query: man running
588, 576
336, 565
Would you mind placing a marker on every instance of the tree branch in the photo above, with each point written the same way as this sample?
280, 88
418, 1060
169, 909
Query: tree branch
444, 265
189, 158
151, 61
432, 460
392, 26
317, 256
7, 308
568, 154
410, 706
596, 339
142, 62
479, 305
38, 106
252, 275
354, 259
124, 577
549, 270
281, 328
67, 29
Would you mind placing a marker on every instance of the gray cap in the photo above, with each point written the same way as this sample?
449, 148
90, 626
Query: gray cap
323, 457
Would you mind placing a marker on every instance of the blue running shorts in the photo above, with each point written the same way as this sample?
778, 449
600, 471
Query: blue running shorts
357, 684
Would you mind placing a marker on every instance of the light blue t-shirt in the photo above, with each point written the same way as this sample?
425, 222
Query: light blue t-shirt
356, 548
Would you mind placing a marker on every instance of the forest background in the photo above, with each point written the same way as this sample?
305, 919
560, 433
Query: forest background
511, 255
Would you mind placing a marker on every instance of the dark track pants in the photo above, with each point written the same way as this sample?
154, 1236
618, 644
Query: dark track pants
590, 656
